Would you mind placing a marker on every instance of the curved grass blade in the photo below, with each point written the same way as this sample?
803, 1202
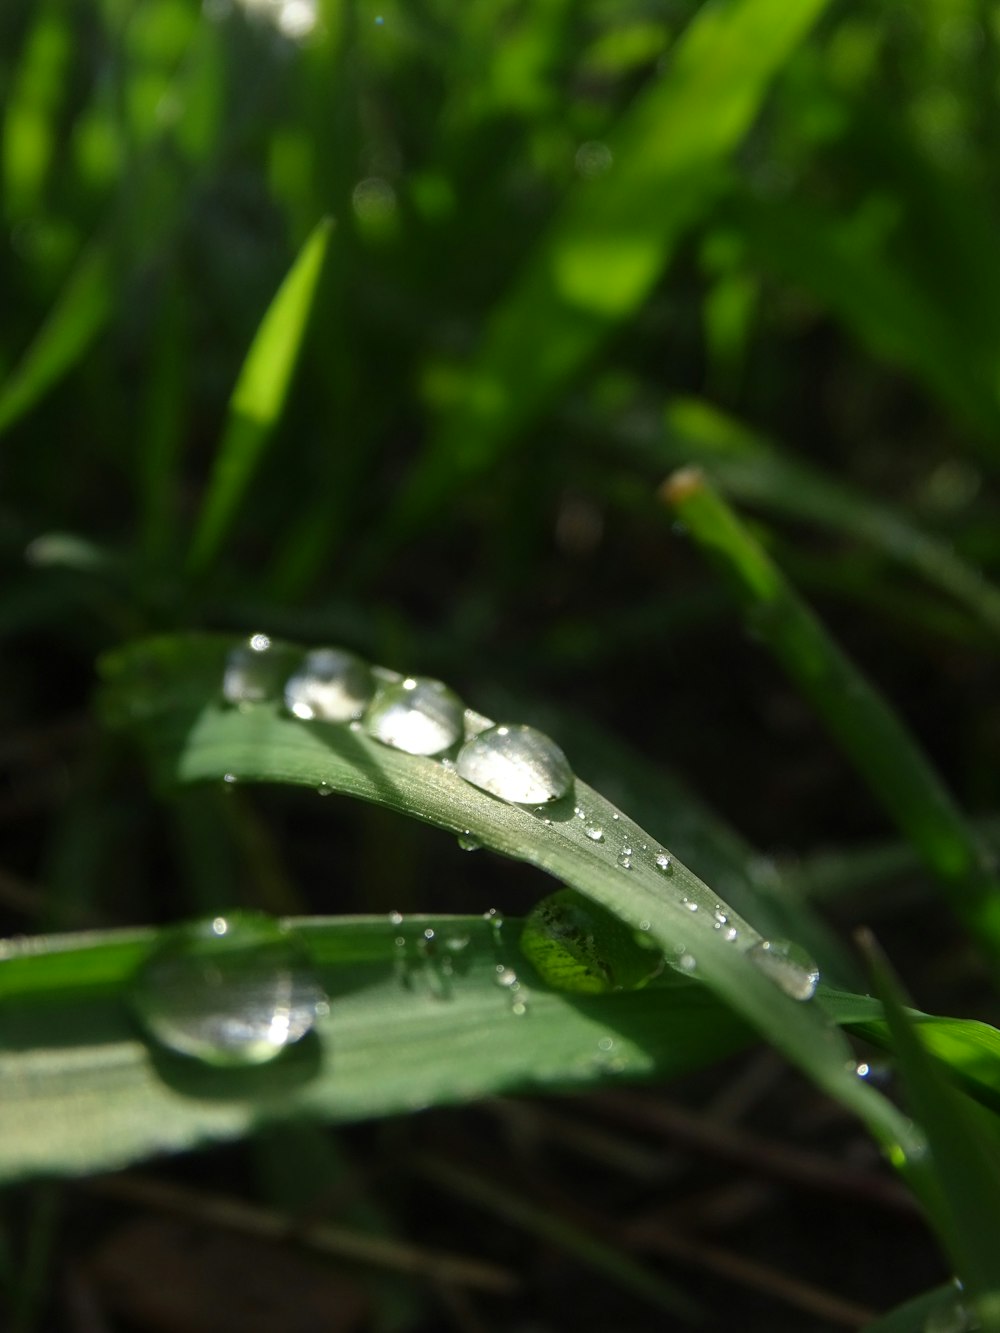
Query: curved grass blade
407, 1027
961, 1181
259, 397
894, 766
613, 237
75, 320
932, 1309
167, 690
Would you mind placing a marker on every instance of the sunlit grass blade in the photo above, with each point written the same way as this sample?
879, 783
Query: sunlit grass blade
407, 1027
168, 691
753, 470
961, 1179
75, 320
259, 397
859, 718
614, 235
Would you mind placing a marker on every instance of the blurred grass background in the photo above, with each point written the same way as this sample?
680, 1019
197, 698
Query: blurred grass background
573, 244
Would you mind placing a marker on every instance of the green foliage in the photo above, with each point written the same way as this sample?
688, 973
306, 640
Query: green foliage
379, 327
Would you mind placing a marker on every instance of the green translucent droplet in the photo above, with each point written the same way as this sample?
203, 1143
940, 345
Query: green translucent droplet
575, 945
516, 763
255, 670
330, 684
230, 991
417, 715
788, 965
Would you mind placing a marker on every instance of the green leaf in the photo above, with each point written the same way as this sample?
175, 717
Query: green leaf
857, 715
961, 1182
614, 235
168, 690
259, 397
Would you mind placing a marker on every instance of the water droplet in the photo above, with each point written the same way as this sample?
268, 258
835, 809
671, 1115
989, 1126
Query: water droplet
616, 816
231, 991
252, 672
730, 934
516, 763
663, 862
645, 925
456, 943
863, 1069
396, 918
626, 850
468, 842
594, 834
229, 779
719, 917
593, 159
505, 976
429, 933
687, 962
419, 716
625, 861
788, 966
606, 1044
330, 684
575, 944
691, 906
324, 789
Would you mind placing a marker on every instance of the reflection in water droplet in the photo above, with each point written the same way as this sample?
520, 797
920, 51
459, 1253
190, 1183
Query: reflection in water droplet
663, 862
229, 779
419, 716
594, 834
331, 685
516, 763
788, 965
468, 842
232, 991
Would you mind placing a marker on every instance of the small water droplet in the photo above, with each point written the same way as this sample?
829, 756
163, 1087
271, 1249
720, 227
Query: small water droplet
616, 816
505, 976
863, 1069
663, 862
687, 962
625, 861
626, 850
517, 764
644, 925
324, 789
730, 934
468, 842
417, 715
788, 965
429, 933
691, 906
606, 1044
230, 779
331, 685
231, 991
456, 943
719, 917
594, 834
396, 918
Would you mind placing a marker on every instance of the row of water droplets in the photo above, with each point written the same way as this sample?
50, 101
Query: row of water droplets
238, 990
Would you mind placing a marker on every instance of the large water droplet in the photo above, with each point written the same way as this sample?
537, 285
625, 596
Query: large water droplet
253, 672
788, 965
594, 833
468, 841
418, 715
330, 684
577, 945
516, 763
231, 991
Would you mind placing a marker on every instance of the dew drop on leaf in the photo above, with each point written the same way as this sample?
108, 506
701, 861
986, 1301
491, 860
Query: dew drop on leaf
252, 672
417, 715
516, 763
788, 965
231, 991
330, 684
594, 834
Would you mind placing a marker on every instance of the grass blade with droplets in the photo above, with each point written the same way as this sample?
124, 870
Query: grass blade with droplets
863, 723
259, 397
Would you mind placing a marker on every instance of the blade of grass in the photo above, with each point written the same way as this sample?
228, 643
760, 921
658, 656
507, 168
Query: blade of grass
962, 1178
168, 691
612, 239
932, 1309
753, 470
84, 1092
862, 722
78, 315
259, 397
